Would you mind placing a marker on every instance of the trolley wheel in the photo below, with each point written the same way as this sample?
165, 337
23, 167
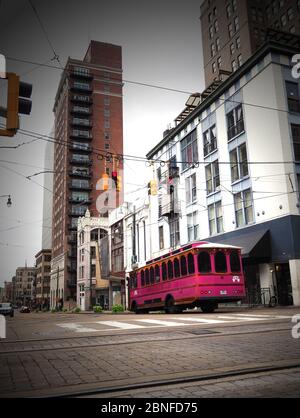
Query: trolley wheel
170, 307
208, 307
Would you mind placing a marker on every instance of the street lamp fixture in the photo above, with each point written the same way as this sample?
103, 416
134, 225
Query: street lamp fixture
9, 203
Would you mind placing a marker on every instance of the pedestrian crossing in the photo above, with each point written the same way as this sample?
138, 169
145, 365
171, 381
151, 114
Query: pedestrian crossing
96, 326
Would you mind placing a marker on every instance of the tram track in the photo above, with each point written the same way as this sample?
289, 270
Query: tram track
205, 377
133, 338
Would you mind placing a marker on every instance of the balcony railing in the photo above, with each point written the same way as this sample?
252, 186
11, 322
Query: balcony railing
236, 129
81, 162
82, 135
79, 173
83, 100
81, 75
86, 123
82, 200
82, 87
81, 112
81, 147
80, 185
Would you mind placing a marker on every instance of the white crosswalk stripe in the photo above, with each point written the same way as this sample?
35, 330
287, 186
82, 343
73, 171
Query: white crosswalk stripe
164, 323
117, 324
178, 321
202, 320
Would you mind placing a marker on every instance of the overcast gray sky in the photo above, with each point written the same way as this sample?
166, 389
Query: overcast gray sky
161, 43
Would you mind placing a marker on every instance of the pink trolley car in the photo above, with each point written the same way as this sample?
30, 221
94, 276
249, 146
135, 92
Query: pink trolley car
201, 274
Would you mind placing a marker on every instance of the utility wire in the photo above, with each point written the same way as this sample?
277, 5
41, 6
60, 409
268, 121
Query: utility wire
105, 154
55, 55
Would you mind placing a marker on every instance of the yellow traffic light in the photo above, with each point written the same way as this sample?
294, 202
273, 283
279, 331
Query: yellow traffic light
15, 103
105, 182
152, 188
119, 184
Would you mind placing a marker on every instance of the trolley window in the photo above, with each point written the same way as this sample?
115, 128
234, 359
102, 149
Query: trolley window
157, 274
176, 267
152, 275
143, 278
220, 262
191, 263
147, 277
170, 270
204, 263
164, 272
235, 264
183, 265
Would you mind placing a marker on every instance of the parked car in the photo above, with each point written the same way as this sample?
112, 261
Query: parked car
6, 309
25, 309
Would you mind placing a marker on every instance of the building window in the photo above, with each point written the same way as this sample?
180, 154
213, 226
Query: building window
107, 113
238, 43
239, 163
191, 189
214, 67
232, 49
106, 146
106, 101
296, 141
234, 5
220, 262
210, 141
189, 150
235, 122
218, 44
292, 90
215, 218
243, 208
212, 177
117, 260
93, 270
234, 66
240, 60
219, 62
230, 30
193, 226
174, 231
106, 124
211, 32
161, 238
293, 29
106, 135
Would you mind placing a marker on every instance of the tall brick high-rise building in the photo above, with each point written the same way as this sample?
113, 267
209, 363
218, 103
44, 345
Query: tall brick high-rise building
89, 136
232, 30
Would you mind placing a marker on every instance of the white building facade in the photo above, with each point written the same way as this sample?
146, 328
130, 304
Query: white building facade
92, 280
229, 172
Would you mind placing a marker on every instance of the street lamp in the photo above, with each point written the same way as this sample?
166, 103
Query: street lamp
9, 203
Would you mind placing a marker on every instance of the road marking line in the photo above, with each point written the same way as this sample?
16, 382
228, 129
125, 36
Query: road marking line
117, 324
202, 320
265, 316
242, 318
158, 322
77, 327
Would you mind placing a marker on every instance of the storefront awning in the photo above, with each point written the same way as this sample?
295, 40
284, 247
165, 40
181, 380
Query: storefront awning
253, 243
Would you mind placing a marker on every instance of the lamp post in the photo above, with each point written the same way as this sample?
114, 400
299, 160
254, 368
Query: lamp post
9, 203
